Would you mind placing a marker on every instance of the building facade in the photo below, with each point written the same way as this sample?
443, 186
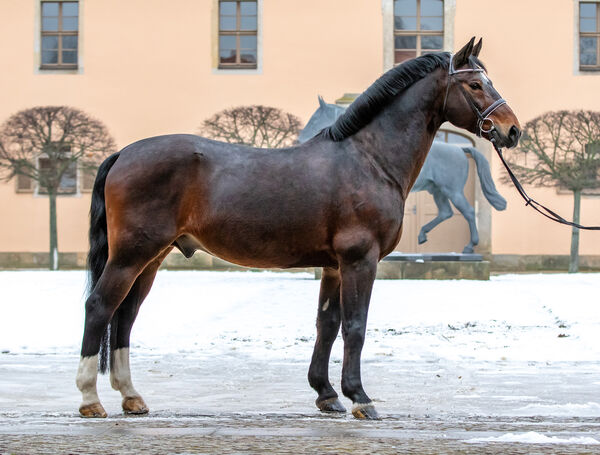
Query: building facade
151, 67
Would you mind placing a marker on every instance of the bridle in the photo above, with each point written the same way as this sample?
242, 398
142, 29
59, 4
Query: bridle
482, 118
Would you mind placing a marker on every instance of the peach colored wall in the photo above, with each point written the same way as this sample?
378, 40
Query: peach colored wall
147, 70
529, 51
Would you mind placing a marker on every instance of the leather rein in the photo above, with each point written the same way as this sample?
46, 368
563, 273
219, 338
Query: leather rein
485, 125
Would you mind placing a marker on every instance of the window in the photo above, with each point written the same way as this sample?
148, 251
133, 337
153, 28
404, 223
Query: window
60, 30
68, 181
238, 34
589, 34
418, 28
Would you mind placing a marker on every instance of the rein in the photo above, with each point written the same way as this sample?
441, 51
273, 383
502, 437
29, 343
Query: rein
482, 118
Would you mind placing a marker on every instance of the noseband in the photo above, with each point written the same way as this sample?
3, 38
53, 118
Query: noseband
484, 123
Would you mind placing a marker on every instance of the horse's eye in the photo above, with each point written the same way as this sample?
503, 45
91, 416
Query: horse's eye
475, 85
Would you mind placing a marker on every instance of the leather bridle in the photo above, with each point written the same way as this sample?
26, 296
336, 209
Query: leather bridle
482, 118
485, 125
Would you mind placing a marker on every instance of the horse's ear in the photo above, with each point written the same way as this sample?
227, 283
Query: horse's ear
462, 57
322, 102
477, 48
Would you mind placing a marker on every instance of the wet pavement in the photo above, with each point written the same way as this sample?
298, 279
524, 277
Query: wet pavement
240, 404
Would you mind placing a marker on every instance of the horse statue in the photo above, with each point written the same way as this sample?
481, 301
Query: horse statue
335, 202
444, 175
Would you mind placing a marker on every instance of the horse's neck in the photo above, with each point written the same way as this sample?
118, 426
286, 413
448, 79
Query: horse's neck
400, 136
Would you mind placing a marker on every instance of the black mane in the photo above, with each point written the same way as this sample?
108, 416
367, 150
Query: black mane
380, 93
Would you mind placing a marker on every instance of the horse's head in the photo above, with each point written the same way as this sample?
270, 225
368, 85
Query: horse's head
471, 101
324, 116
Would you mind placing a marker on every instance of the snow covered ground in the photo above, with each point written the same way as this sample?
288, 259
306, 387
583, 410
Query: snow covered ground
516, 348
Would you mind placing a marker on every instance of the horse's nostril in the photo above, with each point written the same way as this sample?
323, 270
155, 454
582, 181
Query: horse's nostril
514, 134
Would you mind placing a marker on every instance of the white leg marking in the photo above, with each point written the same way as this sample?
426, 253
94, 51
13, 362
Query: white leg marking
326, 305
87, 374
120, 375
359, 406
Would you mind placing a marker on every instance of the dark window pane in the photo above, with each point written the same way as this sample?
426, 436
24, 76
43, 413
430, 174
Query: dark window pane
49, 42
228, 23
68, 181
400, 56
69, 42
405, 23
248, 42
50, 24
248, 56
49, 57
50, 9
587, 25
587, 9
432, 42
70, 24
432, 8
228, 8
227, 42
69, 57
70, 9
432, 23
24, 183
248, 23
227, 55
587, 51
405, 42
405, 7
248, 8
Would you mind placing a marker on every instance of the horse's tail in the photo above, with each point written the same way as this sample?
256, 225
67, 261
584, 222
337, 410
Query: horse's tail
485, 177
98, 255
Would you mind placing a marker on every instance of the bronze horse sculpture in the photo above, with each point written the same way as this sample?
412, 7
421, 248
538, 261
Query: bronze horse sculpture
443, 175
334, 202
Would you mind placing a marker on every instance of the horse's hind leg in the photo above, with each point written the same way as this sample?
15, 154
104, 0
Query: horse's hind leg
444, 212
462, 204
119, 274
328, 326
111, 289
122, 322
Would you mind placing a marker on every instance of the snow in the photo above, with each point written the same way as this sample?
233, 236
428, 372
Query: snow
511, 318
533, 437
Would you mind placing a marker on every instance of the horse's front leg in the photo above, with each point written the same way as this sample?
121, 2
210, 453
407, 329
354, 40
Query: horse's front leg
357, 275
328, 326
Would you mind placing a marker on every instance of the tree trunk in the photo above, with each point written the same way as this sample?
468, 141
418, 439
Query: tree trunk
53, 255
574, 260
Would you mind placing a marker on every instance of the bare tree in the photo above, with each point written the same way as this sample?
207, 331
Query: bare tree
561, 149
257, 126
48, 144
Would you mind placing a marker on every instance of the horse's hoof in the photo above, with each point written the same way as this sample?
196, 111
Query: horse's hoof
134, 405
468, 250
330, 405
365, 411
422, 239
94, 410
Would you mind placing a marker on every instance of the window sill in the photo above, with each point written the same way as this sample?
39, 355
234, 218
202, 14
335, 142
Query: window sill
59, 70
237, 70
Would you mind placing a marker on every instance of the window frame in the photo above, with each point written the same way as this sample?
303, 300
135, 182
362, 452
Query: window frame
238, 32
418, 33
59, 33
595, 34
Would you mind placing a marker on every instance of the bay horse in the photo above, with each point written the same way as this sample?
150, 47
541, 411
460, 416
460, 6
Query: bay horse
335, 202
443, 175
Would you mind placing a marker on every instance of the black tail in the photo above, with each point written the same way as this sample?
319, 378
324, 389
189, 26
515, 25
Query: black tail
485, 177
98, 254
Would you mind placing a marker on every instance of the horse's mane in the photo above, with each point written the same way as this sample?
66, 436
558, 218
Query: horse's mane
380, 93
